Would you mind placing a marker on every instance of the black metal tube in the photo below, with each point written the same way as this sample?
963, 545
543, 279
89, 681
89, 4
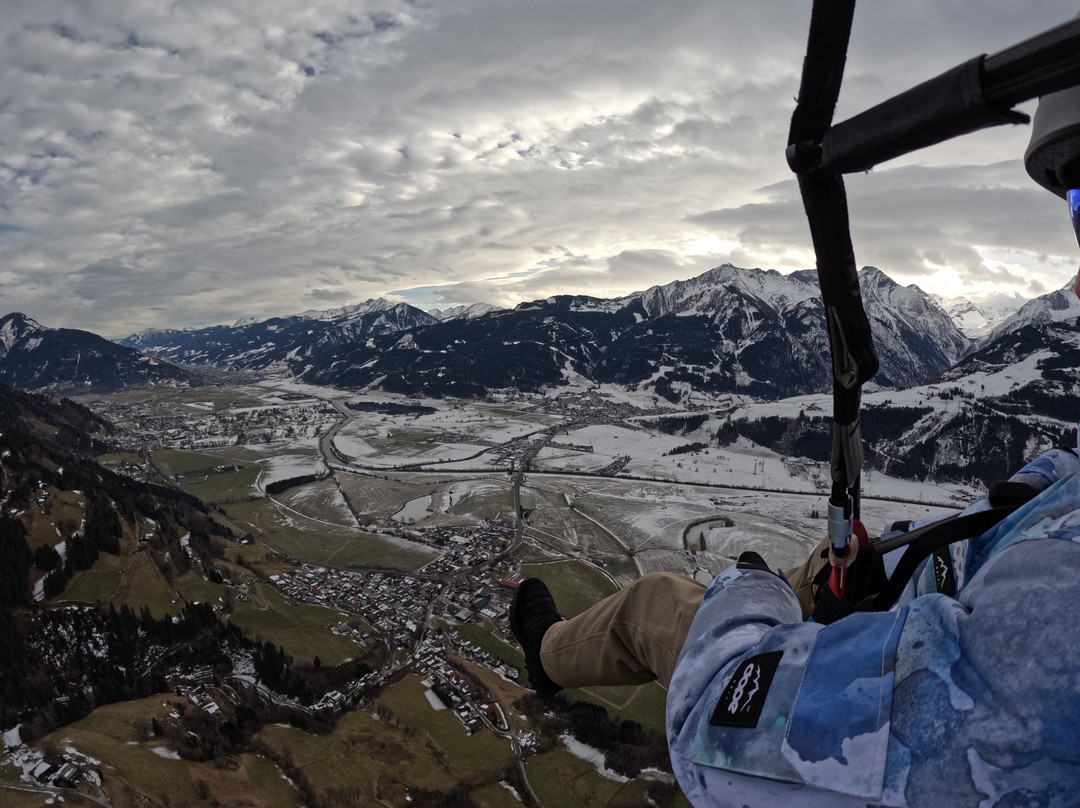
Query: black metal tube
946, 106
1043, 64
823, 70
972, 96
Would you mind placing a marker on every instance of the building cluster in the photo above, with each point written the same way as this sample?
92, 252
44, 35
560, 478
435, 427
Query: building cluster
155, 424
463, 552
419, 613
72, 770
471, 703
391, 603
394, 605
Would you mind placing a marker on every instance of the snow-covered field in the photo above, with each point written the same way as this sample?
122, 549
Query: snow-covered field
604, 485
298, 459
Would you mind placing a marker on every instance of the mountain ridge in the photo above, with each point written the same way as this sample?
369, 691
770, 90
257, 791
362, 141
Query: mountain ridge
66, 361
729, 330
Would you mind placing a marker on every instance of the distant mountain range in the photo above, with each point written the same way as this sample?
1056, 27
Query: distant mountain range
750, 331
747, 331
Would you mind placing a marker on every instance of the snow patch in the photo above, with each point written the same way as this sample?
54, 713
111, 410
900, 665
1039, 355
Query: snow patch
594, 756
12, 737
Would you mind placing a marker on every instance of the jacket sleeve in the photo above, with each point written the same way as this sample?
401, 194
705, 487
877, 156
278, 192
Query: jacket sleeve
961, 700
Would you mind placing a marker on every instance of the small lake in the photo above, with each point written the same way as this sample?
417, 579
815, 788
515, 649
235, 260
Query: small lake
414, 510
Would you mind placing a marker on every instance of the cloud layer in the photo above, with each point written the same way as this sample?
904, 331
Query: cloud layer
191, 163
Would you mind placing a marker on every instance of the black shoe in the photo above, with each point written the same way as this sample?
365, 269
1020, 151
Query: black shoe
532, 613
752, 561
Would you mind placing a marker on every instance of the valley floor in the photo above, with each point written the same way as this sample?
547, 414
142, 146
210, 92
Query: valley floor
378, 528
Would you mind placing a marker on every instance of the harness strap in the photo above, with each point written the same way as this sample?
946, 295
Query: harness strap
825, 202
920, 543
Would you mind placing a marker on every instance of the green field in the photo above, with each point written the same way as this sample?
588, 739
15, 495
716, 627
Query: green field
320, 543
411, 746
135, 774
63, 510
495, 796
11, 797
555, 523
194, 588
473, 757
485, 640
303, 630
177, 462
574, 585
111, 461
131, 579
319, 500
562, 780
213, 486
644, 704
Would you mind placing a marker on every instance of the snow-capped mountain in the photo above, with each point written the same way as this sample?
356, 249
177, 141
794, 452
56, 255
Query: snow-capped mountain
912, 333
65, 361
976, 320
749, 331
462, 312
707, 292
268, 344
1055, 307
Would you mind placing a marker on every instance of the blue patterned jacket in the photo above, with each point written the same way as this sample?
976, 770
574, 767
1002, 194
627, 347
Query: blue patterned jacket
969, 701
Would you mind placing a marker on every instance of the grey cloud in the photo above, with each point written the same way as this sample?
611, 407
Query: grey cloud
334, 296
913, 220
236, 158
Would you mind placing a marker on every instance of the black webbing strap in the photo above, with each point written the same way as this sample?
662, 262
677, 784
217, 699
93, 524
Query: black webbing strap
923, 541
854, 360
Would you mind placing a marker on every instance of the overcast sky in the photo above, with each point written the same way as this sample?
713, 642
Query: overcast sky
186, 163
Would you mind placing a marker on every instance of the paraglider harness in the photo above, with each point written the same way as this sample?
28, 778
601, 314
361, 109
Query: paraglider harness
974, 95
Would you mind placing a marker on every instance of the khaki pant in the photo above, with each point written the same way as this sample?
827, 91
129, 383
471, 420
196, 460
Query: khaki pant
635, 635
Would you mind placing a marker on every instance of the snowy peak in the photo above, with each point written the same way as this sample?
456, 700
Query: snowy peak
752, 331
462, 312
273, 343
1056, 307
349, 312
893, 308
703, 293
977, 318
13, 328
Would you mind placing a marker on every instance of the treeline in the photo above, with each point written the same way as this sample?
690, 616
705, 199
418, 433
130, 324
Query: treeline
627, 747
974, 444
811, 437
40, 461
681, 424
1040, 402
390, 408
281, 486
977, 444
58, 665
687, 447
799, 437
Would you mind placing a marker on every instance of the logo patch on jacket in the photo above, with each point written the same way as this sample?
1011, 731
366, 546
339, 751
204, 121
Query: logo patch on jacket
741, 702
943, 572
